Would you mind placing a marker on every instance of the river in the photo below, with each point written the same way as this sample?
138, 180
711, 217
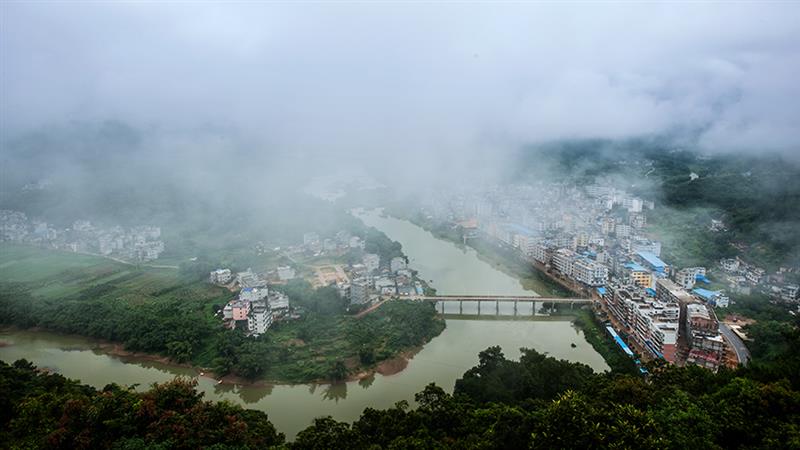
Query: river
292, 408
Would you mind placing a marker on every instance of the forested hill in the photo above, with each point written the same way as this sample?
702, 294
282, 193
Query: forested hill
537, 402
755, 194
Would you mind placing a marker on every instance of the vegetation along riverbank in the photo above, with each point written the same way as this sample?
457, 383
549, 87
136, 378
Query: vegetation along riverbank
162, 312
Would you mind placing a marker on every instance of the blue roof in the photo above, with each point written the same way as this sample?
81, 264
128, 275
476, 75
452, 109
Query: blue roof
653, 349
652, 259
650, 291
619, 341
705, 293
636, 267
247, 289
601, 291
701, 277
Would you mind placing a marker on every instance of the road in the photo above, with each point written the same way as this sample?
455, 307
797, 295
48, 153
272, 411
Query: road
742, 353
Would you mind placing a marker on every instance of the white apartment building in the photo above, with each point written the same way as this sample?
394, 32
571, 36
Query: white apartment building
562, 261
220, 276
359, 291
259, 319
397, 263
589, 272
372, 262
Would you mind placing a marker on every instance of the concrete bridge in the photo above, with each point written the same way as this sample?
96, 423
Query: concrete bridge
516, 299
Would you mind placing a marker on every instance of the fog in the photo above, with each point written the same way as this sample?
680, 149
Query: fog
236, 105
414, 79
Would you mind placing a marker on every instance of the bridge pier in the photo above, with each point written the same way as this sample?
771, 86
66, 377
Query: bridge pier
515, 307
479, 307
497, 307
461, 307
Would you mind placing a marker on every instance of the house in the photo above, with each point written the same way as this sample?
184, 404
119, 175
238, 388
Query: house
278, 303
259, 319
372, 262
220, 276
790, 293
714, 298
359, 291
653, 262
253, 294
239, 309
686, 278
397, 263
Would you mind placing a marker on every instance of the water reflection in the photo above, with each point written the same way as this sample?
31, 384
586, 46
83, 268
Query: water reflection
248, 394
367, 381
292, 408
335, 392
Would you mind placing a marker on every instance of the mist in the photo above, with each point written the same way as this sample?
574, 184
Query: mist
456, 81
234, 106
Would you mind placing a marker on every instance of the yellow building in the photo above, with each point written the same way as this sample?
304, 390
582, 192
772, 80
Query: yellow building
639, 275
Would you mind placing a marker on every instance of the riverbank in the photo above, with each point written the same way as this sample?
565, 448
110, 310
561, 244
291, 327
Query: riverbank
509, 262
505, 260
389, 366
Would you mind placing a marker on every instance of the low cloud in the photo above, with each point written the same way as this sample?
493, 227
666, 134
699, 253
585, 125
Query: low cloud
416, 79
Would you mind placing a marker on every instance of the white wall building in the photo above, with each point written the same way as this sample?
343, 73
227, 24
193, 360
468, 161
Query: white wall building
372, 262
259, 319
397, 264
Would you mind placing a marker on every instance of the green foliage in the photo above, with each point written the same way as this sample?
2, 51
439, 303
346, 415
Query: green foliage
42, 410
164, 312
539, 402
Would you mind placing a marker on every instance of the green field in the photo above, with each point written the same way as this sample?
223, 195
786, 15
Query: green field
162, 311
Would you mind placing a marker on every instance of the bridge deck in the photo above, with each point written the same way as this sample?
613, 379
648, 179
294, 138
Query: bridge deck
501, 298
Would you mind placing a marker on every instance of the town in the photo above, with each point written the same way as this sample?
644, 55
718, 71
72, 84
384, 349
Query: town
136, 244
364, 281
593, 240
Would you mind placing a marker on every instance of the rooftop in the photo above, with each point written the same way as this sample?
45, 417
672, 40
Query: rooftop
652, 259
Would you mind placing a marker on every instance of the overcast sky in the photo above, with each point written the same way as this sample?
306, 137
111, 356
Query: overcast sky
417, 77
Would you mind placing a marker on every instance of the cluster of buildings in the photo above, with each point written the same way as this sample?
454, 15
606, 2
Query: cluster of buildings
362, 280
371, 280
339, 244
593, 240
669, 323
140, 243
256, 307
744, 278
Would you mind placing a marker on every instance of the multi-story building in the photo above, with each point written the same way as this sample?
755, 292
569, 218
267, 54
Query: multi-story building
607, 225
541, 253
562, 261
637, 274
397, 263
253, 294
669, 292
652, 324
645, 245
714, 298
259, 319
589, 272
790, 293
687, 277
653, 262
622, 230
372, 262
359, 291
239, 309
220, 276
702, 334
